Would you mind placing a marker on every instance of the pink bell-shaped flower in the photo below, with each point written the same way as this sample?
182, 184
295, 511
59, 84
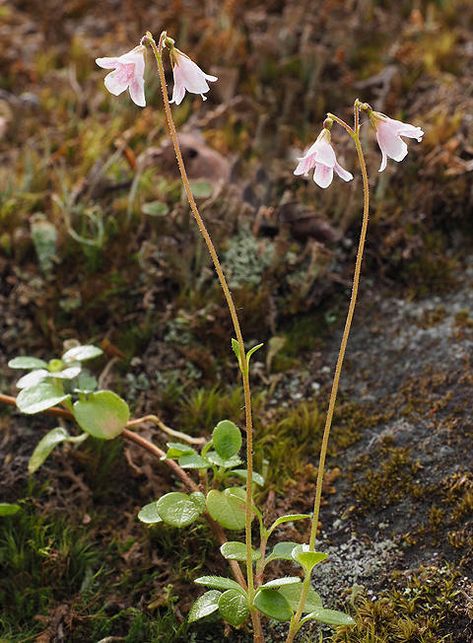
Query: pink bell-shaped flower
188, 76
388, 135
321, 156
128, 73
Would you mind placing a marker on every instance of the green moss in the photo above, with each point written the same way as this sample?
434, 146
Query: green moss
43, 561
420, 607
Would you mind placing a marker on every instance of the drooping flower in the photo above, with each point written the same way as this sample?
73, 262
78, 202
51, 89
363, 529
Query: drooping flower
321, 156
388, 135
128, 72
188, 76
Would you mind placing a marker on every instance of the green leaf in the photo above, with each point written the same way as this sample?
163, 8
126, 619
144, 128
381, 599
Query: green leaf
67, 373
227, 439
226, 509
155, 209
27, 362
329, 617
287, 518
233, 550
40, 397
201, 189
9, 508
219, 582
204, 606
280, 582
176, 449
273, 604
193, 461
306, 558
251, 352
198, 499
233, 607
45, 446
178, 509
214, 458
82, 353
236, 350
149, 514
243, 474
32, 378
282, 551
86, 383
103, 414
292, 593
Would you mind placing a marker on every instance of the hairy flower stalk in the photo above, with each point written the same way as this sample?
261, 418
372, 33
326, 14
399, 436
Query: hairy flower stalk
354, 133
157, 50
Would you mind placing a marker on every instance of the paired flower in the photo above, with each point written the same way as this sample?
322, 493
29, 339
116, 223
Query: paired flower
128, 73
321, 156
388, 135
188, 76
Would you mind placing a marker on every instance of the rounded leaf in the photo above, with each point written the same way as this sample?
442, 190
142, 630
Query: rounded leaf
9, 509
193, 461
292, 593
67, 373
219, 582
38, 398
27, 362
82, 353
215, 458
204, 605
281, 582
32, 378
227, 439
329, 617
273, 604
149, 514
282, 551
226, 509
45, 446
103, 414
178, 509
233, 607
155, 208
306, 558
233, 550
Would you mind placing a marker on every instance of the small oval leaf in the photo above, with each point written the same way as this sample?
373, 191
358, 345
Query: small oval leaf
282, 551
178, 509
38, 398
204, 606
193, 461
329, 617
306, 558
149, 514
226, 509
45, 446
243, 474
287, 518
27, 362
280, 582
292, 593
217, 460
273, 604
219, 582
233, 607
227, 439
233, 550
82, 353
9, 509
31, 379
103, 414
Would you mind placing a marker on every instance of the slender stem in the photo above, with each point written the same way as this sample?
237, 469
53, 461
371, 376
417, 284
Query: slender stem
157, 50
338, 369
158, 453
154, 419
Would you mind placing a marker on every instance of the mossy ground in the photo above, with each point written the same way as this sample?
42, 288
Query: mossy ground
85, 252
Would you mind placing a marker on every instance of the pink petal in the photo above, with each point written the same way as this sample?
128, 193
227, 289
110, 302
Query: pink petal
107, 63
342, 173
137, 91
306, 163
135, 57
324, 153
115, 83
384, 161
390, 142
179, 90
323, 175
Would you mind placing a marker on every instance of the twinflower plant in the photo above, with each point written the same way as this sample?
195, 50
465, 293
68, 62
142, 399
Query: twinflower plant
217, 479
